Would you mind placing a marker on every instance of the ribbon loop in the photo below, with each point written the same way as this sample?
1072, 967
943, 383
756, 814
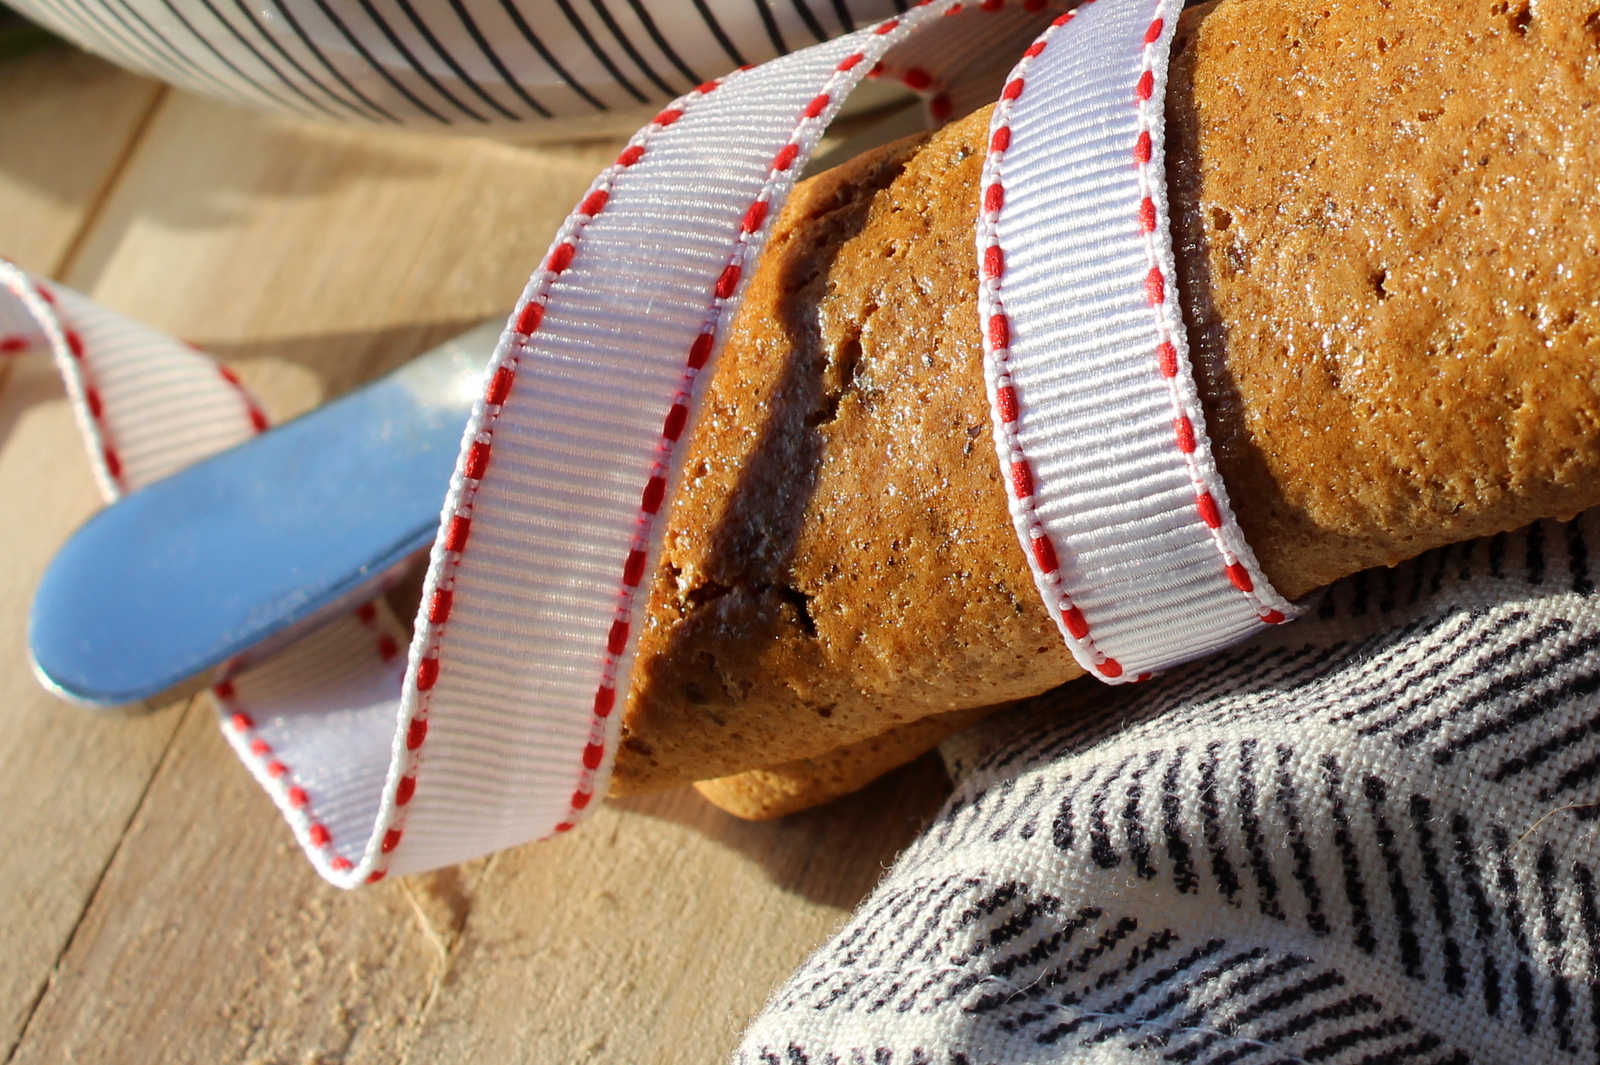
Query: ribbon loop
1097, 422
500, 725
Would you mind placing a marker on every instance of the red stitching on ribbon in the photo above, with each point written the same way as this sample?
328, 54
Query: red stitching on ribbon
1183, 429
1006, 401
994, 261
998, 329
477, 463
1021, 479
73, 360
1155, 286
293, 798
439, 606
528, 319
501, 385
499, 389
1147, 215
726, 287
252, 409
633, 569
934, 94
700, 351
1167, 359
1184, 420
754, 217
677, 419
561, 257
77, 368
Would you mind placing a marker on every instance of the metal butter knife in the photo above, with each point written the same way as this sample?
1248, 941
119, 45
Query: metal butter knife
260, 543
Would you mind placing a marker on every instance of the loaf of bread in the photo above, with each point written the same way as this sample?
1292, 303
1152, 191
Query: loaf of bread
1387, 219
774, 791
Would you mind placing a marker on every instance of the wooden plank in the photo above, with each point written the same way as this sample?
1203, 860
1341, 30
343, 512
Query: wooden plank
68, 783
654, 933
211, 940
68, 122
650, 936
314, 258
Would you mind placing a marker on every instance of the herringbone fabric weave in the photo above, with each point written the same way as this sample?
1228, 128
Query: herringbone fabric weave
1365, 838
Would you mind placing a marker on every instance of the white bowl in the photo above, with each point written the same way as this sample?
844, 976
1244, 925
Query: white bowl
541, 68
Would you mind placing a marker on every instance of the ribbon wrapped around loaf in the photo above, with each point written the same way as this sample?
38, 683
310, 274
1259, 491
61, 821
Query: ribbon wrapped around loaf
558, 542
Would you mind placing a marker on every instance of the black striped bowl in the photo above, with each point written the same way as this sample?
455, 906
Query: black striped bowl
528, 67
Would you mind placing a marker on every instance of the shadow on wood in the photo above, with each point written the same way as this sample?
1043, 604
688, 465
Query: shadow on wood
832, 854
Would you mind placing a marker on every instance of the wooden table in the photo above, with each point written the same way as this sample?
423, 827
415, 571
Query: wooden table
152, 905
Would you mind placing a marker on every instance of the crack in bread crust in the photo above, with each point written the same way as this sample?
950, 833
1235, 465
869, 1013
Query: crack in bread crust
1388, 233
839, 557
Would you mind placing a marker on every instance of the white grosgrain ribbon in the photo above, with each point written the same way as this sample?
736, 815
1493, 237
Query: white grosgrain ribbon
500, 726
1097, 423
538, 582
146, 404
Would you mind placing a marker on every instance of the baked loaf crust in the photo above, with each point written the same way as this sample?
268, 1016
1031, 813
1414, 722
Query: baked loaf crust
1389, 216
839, 558
763, 794
1388, 233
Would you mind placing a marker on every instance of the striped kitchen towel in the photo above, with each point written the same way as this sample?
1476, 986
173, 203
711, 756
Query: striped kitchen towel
1366, 838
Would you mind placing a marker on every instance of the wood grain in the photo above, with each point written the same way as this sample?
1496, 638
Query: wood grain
68, 783
655, 933
315, 258
211, 940
68, 122
185, 927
